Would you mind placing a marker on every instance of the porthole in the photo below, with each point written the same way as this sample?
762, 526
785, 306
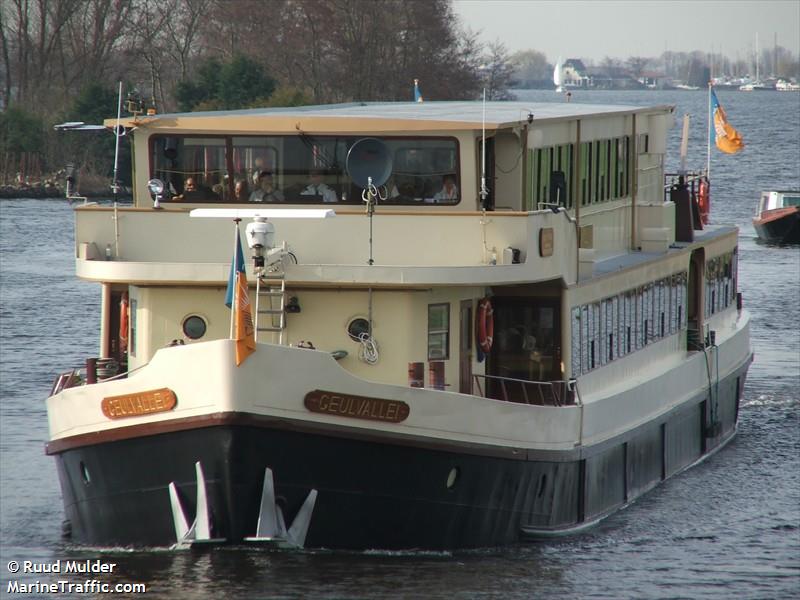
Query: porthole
194, 327
356, 327
452, 477
85, 473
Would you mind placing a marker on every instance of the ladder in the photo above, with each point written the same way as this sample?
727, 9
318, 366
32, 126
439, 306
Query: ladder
271, 287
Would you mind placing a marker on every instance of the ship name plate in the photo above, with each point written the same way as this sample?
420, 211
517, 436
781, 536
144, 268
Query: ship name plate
139, 403
357, 407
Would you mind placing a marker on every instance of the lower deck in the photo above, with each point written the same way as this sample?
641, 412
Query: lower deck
374, 493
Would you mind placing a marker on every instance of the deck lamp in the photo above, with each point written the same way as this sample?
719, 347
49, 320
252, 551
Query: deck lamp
156, 187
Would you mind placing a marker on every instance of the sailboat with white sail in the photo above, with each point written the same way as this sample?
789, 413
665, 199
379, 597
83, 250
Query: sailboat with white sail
558, 76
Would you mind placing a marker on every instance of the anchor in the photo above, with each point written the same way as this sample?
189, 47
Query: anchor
271, 527
200, 530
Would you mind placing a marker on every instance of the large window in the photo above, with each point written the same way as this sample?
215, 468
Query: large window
603, 173
721, 273
608, 329
438, 331
299, 169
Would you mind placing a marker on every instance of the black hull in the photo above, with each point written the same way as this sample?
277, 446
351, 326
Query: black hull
371, 494
785, 230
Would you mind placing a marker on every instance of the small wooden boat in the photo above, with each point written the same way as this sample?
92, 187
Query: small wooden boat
777, 219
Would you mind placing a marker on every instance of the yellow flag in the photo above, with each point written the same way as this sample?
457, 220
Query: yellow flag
237, 298
725, 136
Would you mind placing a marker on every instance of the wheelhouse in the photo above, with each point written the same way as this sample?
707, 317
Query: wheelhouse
219, 163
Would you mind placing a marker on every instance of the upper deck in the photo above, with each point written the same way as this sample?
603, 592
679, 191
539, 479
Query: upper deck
567, 186
410, 248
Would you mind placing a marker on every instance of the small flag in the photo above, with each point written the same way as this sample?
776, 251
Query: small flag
237, 298
417, 94
726, 137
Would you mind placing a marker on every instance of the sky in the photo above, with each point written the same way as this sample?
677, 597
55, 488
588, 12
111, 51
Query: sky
594, 29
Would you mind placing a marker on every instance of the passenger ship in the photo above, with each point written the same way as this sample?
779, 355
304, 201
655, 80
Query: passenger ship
518, 357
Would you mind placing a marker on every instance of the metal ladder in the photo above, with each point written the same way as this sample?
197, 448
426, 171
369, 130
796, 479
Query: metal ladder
271, 286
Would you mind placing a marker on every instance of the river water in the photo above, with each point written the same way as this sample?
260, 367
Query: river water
728, 528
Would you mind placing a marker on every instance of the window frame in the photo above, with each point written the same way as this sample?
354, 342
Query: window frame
440, 331
352, 199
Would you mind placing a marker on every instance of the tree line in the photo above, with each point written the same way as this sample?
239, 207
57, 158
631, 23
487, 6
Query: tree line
530, 68
61, 59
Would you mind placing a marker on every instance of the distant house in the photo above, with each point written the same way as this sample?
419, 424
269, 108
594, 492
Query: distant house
654, 80
611, 78
573, 73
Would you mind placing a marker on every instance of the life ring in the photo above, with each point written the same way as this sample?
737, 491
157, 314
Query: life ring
703, 201
484, 325
123, 321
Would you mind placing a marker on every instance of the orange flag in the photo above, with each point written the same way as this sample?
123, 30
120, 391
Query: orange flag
725, 136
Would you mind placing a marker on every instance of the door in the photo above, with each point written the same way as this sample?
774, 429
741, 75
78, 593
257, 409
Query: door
695, 300
465, 348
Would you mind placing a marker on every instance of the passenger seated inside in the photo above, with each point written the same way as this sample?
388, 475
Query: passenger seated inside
241, 193
192, 192
316, 187
266, 192
217, 186
449, 190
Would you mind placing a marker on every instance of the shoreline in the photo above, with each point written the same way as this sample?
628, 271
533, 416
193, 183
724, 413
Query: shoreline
45, 191
42, 190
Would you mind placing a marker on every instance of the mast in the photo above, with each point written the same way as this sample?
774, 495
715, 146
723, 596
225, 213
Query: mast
484, 191
115, 183
708, 133
758, 77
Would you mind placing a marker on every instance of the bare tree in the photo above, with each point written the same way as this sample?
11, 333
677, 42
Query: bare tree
637, 65
497, 72
147, 41
33, 38
182, 21
530, 66
95, 35
6, 96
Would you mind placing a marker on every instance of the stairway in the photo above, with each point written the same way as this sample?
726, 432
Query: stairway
271, 302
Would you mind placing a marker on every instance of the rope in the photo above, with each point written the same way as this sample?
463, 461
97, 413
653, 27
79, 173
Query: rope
368, 352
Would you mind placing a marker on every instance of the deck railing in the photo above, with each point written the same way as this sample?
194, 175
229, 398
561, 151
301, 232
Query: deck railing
691, 179
540, 393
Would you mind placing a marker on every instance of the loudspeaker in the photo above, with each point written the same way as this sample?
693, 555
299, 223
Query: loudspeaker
369, 157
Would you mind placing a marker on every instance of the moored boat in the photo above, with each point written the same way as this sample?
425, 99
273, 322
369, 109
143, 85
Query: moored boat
461, 364
777, 218
787, 86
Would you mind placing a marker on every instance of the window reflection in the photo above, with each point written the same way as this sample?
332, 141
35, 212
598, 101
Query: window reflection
300, 169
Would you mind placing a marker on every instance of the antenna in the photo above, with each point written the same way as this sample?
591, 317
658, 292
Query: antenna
369, 165
117, 134
484, 191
